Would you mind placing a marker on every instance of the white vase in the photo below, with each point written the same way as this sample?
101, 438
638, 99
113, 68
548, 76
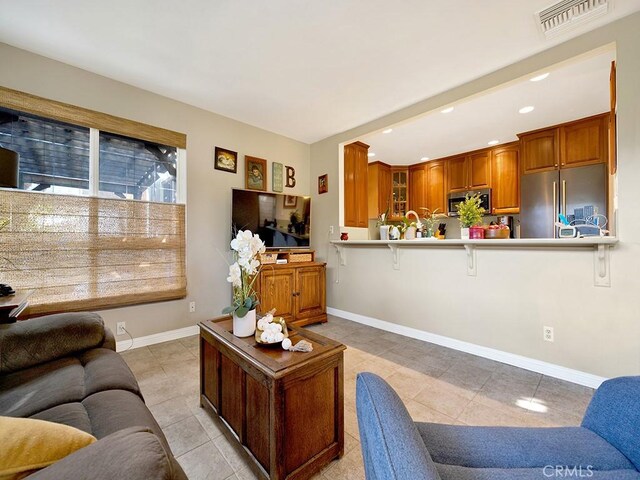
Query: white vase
244, 326
464, 233
410, 233
394, 233
384, 232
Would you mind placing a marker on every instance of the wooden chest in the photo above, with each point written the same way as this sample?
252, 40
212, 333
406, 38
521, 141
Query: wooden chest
285, 408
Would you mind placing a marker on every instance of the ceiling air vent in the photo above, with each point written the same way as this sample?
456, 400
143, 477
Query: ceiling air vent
569, 14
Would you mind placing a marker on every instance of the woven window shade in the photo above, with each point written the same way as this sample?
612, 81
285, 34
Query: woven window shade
86, 253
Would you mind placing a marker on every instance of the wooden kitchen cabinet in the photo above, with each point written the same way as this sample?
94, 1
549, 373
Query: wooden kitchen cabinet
379, 189
436, 192
399, 192
584, 142
457, 174
469, 171
355, 184
418, 188
505, 180
479, 169
573, 144
540, 150
296, 290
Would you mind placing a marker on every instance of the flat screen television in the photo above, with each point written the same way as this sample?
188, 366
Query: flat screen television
282, 221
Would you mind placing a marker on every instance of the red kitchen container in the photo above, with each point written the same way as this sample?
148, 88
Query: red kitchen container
476, 233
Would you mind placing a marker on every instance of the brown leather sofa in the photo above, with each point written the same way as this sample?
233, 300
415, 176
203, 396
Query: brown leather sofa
63, 368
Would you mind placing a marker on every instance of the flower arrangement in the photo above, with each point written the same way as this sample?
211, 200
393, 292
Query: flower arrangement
470, 211
243, 272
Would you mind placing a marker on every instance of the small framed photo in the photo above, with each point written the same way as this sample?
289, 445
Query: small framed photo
276, 177
226, 160
289, 201
255, 173
323, 183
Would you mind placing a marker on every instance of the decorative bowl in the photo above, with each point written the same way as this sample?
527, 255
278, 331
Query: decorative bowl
279, 320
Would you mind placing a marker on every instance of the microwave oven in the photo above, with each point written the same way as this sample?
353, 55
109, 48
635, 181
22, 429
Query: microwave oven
458, 197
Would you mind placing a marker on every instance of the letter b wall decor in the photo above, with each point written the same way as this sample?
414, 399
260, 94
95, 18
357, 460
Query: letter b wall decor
291, 177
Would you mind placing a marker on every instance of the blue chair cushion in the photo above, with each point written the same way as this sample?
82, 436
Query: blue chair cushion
391, 445
614, 414
453, 472
521, 448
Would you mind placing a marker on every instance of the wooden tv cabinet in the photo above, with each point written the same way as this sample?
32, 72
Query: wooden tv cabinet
285, 408
296, 290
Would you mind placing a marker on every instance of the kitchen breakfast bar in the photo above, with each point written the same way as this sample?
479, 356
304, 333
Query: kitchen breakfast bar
599, 245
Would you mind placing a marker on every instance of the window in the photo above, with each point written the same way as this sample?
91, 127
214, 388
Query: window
54, 156
96, 223
136, 169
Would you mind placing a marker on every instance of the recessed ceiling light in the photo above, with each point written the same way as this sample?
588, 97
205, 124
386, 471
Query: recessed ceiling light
537, 78
371, 154
447, 110
527, 109
493, 142
424, 159
388, 130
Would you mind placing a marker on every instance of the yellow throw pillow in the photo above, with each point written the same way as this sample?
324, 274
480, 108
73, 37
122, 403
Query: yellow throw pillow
27, 444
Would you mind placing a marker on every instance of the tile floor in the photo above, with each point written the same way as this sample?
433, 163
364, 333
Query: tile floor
437, 385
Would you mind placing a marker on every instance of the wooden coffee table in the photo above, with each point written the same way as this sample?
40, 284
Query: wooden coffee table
285, 408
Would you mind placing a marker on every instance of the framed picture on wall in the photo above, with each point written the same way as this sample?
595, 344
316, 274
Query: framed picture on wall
255, 173
289, 201
323, 183
226, 160
276, 177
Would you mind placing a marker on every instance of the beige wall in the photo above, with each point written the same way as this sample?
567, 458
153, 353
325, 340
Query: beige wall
516, 292
208, 190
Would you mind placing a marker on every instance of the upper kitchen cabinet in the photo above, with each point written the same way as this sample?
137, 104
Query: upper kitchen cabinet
479, 169
584, 142
505, 180
436, 192
469, 172
417, 187
457, 174
355, 184
573, 144
540, 150
379, 189
399, 191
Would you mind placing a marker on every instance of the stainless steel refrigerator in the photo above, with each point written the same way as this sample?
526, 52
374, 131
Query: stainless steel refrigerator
547, 194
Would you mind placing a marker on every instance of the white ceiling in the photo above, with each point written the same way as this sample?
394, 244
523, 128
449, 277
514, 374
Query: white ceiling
306, 69
573, 90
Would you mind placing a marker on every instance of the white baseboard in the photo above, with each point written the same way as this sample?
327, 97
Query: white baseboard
545, 368
156, 338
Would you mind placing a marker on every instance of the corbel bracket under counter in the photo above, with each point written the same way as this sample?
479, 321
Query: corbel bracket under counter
600, 246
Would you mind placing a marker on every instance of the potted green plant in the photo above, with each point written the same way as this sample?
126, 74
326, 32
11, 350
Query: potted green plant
410, 228
430, 219
470, 214
382, 225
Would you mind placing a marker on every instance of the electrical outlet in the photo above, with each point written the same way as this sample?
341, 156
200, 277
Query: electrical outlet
547, 334
331, 229
192, 307
120, 328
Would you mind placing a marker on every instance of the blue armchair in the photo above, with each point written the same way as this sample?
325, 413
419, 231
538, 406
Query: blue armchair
605, 446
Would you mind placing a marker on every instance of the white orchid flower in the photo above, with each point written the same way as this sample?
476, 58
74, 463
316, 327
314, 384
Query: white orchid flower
235, 275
